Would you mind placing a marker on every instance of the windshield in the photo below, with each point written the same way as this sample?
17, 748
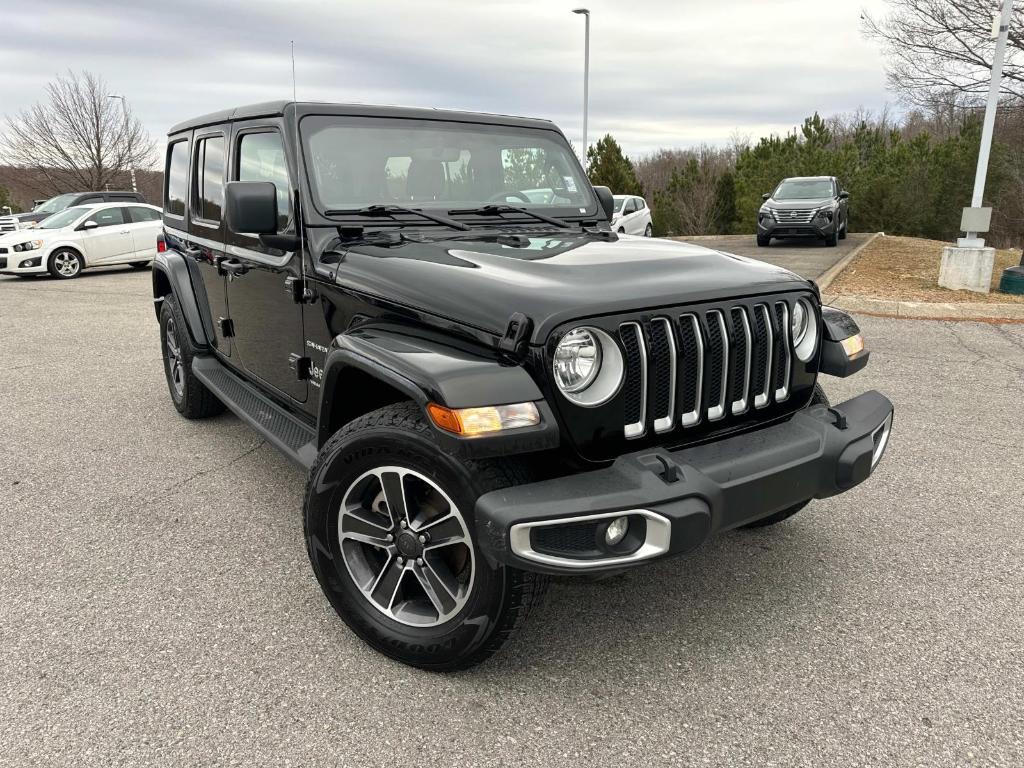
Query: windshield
803, 189
62, 219
356, 162
55, 204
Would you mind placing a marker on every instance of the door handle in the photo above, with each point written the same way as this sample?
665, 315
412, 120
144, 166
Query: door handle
232, 267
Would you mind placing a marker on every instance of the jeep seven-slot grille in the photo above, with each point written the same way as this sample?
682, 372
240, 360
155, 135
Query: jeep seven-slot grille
704, 366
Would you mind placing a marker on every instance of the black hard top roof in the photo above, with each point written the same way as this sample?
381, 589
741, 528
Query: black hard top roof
277, 108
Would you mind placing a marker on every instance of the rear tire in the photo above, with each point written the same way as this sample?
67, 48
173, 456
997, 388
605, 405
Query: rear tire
139, 264
430, 605
189, 395
818, 398
649, 231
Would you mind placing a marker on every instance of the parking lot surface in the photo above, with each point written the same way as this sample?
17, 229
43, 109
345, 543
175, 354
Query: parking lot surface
808, 258
157, 607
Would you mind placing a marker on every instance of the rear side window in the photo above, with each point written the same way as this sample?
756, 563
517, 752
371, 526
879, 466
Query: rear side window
640, 204
139, 214
208, 189
261, 158
177, 179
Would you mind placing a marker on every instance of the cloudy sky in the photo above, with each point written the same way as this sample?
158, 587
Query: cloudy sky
664, 73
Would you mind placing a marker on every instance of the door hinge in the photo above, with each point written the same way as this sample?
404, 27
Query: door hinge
299, 365
516, 338
227, 327
296, 288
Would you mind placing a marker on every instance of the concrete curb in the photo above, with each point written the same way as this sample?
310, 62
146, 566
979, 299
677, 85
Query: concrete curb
832, 272
928, 310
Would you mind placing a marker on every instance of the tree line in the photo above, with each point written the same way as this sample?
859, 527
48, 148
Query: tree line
907, 177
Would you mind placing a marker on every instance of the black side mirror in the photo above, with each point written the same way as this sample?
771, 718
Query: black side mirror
604, 196
765, 196
844, 195
251, 207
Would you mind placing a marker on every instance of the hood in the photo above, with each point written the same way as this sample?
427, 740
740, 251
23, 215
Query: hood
554, 280
786, 205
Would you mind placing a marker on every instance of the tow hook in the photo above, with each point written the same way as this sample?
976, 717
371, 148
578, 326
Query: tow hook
668, 471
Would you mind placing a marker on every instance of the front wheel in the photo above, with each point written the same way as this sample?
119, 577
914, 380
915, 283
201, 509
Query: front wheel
818, 398
846, 226
763, 241
391, 537
831, 241
64, 264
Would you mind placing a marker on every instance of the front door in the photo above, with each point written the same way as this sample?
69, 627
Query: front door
108, 242
267, 321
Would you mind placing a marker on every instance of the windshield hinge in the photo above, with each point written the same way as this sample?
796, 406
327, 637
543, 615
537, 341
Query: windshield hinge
296, 288
515, 341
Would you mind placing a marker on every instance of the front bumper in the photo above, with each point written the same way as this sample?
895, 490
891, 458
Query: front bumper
10, 262
774, 228
679, 498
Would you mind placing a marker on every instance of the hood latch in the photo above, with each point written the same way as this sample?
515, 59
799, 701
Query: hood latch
516, 339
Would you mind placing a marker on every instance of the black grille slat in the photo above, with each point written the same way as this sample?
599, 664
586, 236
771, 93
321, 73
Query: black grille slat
715, 361
659, 356
780, 352
689, 346
737, 356
633, 385
759, 358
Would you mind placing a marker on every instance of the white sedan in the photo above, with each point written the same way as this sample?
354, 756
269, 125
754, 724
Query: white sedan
632, 216
97, 235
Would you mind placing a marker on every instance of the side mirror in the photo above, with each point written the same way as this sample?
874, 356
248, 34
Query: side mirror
604, 196
251, 207
844, 195
765, 197
90, 224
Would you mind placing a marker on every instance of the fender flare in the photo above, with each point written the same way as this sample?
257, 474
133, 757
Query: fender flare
171, 274
428, 371
838, 326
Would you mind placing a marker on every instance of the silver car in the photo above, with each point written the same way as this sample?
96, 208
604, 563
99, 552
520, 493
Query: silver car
805, 206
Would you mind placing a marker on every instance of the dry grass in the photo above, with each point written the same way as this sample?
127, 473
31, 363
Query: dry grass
907, 269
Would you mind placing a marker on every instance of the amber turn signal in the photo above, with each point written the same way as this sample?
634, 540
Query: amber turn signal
470, 422
853, 345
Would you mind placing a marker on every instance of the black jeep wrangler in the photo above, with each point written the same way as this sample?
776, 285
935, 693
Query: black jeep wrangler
429, 313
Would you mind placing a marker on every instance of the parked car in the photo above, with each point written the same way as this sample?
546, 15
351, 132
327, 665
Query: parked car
60, 202
805, 206
83, 236
631, 216
485, 393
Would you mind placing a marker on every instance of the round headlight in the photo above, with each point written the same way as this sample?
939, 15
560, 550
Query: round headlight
577, 360
588, 367
804, 330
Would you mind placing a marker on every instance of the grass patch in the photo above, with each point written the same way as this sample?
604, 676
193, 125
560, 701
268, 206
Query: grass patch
907, 269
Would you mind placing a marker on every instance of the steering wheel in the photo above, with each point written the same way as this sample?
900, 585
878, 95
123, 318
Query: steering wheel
503, 196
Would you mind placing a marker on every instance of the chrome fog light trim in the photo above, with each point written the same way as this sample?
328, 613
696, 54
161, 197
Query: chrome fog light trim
881, 438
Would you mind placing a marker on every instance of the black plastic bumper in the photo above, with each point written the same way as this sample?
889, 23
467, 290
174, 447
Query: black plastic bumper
788, 229
695, 492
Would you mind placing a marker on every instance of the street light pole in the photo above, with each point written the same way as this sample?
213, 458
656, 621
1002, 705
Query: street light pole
124, 111
586, 75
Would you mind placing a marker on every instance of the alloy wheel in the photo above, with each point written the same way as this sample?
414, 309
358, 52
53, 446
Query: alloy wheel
406, 546
174, 363
67, 263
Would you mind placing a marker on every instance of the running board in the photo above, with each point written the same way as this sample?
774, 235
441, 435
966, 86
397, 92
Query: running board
288, 434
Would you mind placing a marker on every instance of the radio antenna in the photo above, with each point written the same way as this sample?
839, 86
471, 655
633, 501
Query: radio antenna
298, 208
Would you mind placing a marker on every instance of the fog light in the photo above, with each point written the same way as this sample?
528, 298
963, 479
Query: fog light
616, 531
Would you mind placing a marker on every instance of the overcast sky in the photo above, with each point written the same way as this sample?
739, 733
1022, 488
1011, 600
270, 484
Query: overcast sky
664, 73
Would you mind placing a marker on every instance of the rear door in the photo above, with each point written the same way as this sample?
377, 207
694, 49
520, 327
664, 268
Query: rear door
110, 241
266, 318
144, 226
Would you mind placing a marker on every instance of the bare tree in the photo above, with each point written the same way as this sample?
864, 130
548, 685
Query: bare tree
78, 138
938, 49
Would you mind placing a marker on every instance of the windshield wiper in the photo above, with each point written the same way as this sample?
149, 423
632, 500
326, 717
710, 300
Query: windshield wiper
486, 210
391, 210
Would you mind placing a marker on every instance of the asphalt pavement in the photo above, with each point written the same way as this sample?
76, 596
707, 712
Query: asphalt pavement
157, 607
808, 258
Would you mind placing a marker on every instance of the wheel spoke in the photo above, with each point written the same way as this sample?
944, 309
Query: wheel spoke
355, 526
437, 593
394, 493
440, 575
444, 532
385, 587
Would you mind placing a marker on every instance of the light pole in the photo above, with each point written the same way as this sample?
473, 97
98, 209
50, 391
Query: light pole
586, 76
124, 111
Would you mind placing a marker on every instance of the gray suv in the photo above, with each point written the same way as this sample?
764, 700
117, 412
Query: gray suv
805, 206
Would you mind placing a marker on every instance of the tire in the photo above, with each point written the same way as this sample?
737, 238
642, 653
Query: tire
846, 226
384, 600
65, 264
139, 264
831, 241
818, 398
189, 395
649, 231
763, 241
622, 230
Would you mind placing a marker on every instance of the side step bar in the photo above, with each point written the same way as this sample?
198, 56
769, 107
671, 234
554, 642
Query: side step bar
288, 434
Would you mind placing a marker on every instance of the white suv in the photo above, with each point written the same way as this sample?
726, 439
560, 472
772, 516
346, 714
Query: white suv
632, 216
83, 236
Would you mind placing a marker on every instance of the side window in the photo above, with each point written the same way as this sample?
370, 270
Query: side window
208, 183
139, 214
630, 206
261, 158
177, 179
108, 217
640, 204
90, 200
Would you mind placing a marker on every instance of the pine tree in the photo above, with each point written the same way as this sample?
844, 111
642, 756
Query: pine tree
607, 166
